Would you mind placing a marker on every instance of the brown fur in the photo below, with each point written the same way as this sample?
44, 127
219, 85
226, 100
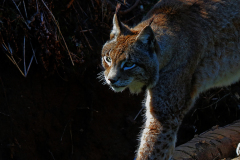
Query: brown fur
180, 49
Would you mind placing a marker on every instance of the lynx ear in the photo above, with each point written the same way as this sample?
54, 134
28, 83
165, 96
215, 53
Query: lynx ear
118, 28
146, 36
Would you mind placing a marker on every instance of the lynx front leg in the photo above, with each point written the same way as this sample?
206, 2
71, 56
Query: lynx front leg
166, 105
157, 141
159, 135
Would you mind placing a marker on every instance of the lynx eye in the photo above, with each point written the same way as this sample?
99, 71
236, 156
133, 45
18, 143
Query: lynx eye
108, 60
128, 65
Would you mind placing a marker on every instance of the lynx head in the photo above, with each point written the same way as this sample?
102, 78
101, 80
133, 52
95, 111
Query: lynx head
130, 58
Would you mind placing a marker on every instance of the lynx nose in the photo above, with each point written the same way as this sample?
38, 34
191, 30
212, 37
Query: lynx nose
112, 80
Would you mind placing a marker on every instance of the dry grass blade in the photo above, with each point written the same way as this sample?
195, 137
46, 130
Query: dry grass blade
25, 9
11, 58
71, 136
37, 5
17, 8
29, 64
211, 104
139, 112
51, 154
117, 8
59, 30
102, 9
21, 14
63, 132
92, 4
33, 52
88, 30
82, 9
10, 49
86, 38
4, 114
24, 56
70, 3
4, 47
19, 3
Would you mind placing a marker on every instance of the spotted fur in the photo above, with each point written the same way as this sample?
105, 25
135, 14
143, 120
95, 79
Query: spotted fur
180, 49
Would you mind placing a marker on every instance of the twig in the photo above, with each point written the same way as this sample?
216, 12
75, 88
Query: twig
21, 14
59, 31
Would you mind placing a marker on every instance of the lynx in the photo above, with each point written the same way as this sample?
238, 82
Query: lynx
180, 49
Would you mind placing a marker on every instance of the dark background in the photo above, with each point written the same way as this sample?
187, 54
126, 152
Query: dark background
61, 111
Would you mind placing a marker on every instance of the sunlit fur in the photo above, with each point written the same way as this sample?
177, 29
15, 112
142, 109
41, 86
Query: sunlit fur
131, 48
181, 48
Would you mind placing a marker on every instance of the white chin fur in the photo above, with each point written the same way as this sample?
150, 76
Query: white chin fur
136, 87
118, 89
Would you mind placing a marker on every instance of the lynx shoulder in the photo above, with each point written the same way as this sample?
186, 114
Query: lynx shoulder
180, 49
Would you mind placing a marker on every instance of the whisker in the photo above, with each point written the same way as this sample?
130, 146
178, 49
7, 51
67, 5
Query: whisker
101, 78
